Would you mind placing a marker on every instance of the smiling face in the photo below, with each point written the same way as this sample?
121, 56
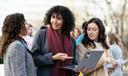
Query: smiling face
93, 31
56, 21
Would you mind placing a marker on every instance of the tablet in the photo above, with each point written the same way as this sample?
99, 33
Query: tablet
89, 61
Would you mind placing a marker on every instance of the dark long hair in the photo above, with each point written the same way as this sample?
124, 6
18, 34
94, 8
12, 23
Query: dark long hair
67, 16
101, 37
13, 25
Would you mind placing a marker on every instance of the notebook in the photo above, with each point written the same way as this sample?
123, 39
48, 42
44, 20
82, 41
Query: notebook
89, 61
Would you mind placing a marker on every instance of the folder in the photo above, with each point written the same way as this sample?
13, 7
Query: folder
89, 61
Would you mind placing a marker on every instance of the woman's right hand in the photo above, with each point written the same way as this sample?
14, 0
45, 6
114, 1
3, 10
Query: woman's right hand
112, 62
61, 56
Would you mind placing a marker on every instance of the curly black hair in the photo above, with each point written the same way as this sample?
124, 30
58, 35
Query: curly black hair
101, 37
67, 16
13, 25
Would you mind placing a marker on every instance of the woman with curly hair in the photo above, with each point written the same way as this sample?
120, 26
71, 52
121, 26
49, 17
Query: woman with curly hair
53, 46
17, 57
